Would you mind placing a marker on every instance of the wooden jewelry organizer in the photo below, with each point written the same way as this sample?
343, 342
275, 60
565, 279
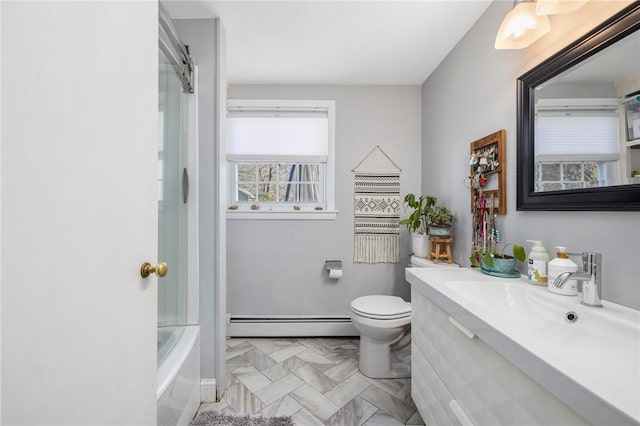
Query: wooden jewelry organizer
488, 167
488, 186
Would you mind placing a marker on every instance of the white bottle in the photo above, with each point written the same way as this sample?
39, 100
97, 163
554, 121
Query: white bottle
557, 266
537, 264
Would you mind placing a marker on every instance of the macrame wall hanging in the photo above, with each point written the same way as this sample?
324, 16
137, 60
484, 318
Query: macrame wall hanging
376, 205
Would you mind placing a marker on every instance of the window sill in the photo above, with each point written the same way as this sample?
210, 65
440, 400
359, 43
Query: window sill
282, 215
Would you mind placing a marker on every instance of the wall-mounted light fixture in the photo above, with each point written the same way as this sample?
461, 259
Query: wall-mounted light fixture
527, 21
522, 26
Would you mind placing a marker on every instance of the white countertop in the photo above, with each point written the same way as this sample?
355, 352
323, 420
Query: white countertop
593, 364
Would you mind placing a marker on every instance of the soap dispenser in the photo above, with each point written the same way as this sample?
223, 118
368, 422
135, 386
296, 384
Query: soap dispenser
559, 265
537, 264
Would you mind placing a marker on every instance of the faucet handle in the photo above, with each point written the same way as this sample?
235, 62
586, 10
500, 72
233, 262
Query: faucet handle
591, 258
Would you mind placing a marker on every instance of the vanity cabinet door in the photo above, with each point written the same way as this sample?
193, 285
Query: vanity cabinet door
491, 389
430, 395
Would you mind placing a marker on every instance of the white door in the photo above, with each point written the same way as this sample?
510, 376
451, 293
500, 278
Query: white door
79, 212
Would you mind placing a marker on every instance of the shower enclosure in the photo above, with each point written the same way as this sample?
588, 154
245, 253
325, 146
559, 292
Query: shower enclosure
172, 204
178, 375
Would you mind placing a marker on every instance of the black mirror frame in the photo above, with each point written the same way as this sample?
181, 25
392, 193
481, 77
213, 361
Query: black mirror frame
622, 197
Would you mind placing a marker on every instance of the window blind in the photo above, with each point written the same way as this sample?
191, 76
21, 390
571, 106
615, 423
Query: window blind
268, 134
590, 133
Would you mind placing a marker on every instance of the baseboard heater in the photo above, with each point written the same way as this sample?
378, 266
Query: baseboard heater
290, 326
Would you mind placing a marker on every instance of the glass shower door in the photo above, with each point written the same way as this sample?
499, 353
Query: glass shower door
172, 207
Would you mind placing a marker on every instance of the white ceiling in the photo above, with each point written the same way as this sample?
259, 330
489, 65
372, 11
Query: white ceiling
335, 42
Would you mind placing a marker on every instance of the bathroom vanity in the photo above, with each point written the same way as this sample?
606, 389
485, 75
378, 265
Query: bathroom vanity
493, 351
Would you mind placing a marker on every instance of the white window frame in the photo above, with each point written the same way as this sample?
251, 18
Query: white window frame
277, 211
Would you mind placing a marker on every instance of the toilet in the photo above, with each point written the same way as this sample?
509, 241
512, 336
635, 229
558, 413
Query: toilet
384, 323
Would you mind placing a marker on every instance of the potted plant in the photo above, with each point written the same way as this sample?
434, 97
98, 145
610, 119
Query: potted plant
439, 220
417, 221
497, 262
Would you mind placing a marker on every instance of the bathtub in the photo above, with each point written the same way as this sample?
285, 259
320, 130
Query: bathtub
178, 375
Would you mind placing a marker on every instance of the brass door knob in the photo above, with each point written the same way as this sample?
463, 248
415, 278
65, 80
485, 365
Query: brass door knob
147, 269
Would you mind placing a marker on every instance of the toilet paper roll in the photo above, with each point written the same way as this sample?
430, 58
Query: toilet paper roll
335, 274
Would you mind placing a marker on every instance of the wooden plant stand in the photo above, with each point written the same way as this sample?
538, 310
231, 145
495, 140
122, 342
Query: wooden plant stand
440, 249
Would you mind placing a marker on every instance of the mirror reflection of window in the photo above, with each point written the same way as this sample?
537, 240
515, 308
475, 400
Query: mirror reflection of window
577, 144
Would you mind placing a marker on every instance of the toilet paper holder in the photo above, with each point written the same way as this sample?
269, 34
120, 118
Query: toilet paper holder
335, 268
333, 264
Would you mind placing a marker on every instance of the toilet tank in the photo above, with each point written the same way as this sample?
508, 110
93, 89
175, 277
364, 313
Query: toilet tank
421, 262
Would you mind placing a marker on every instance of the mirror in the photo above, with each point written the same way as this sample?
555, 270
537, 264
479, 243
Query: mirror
579, 123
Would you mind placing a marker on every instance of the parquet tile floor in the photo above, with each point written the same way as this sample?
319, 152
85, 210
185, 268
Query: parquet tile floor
314, 380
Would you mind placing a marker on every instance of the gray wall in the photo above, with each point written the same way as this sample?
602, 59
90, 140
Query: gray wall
200, 35
276, 267
578, 90
472, 94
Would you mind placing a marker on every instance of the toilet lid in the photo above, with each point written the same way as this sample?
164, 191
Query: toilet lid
381, 307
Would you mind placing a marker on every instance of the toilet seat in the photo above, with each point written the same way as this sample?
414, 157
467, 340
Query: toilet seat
380, 307
380, 317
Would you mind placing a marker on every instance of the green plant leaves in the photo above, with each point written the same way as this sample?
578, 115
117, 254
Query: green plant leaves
440, 215
410, 200
519, 253
416, 222
487, 259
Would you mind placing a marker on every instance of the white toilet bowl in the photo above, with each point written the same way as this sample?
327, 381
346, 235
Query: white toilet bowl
384, 324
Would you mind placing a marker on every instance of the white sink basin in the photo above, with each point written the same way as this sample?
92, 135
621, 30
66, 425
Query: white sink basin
543, 314
600, 351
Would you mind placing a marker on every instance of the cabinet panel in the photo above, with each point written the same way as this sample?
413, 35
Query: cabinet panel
490, 388
429, 393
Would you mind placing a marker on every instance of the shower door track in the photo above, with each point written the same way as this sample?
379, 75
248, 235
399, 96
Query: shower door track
175, 50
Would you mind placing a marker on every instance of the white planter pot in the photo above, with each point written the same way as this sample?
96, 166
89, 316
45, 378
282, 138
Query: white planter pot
420, 244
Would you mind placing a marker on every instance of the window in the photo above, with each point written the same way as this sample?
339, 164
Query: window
559, 175
279, 183
577, 144
281, 156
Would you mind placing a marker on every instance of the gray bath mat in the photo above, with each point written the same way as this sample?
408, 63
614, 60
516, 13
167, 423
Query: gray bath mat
213, 418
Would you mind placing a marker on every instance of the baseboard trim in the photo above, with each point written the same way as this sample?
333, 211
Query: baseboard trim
207, 390
290, 326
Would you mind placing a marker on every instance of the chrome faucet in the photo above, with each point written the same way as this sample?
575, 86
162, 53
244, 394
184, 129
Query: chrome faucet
590, 276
